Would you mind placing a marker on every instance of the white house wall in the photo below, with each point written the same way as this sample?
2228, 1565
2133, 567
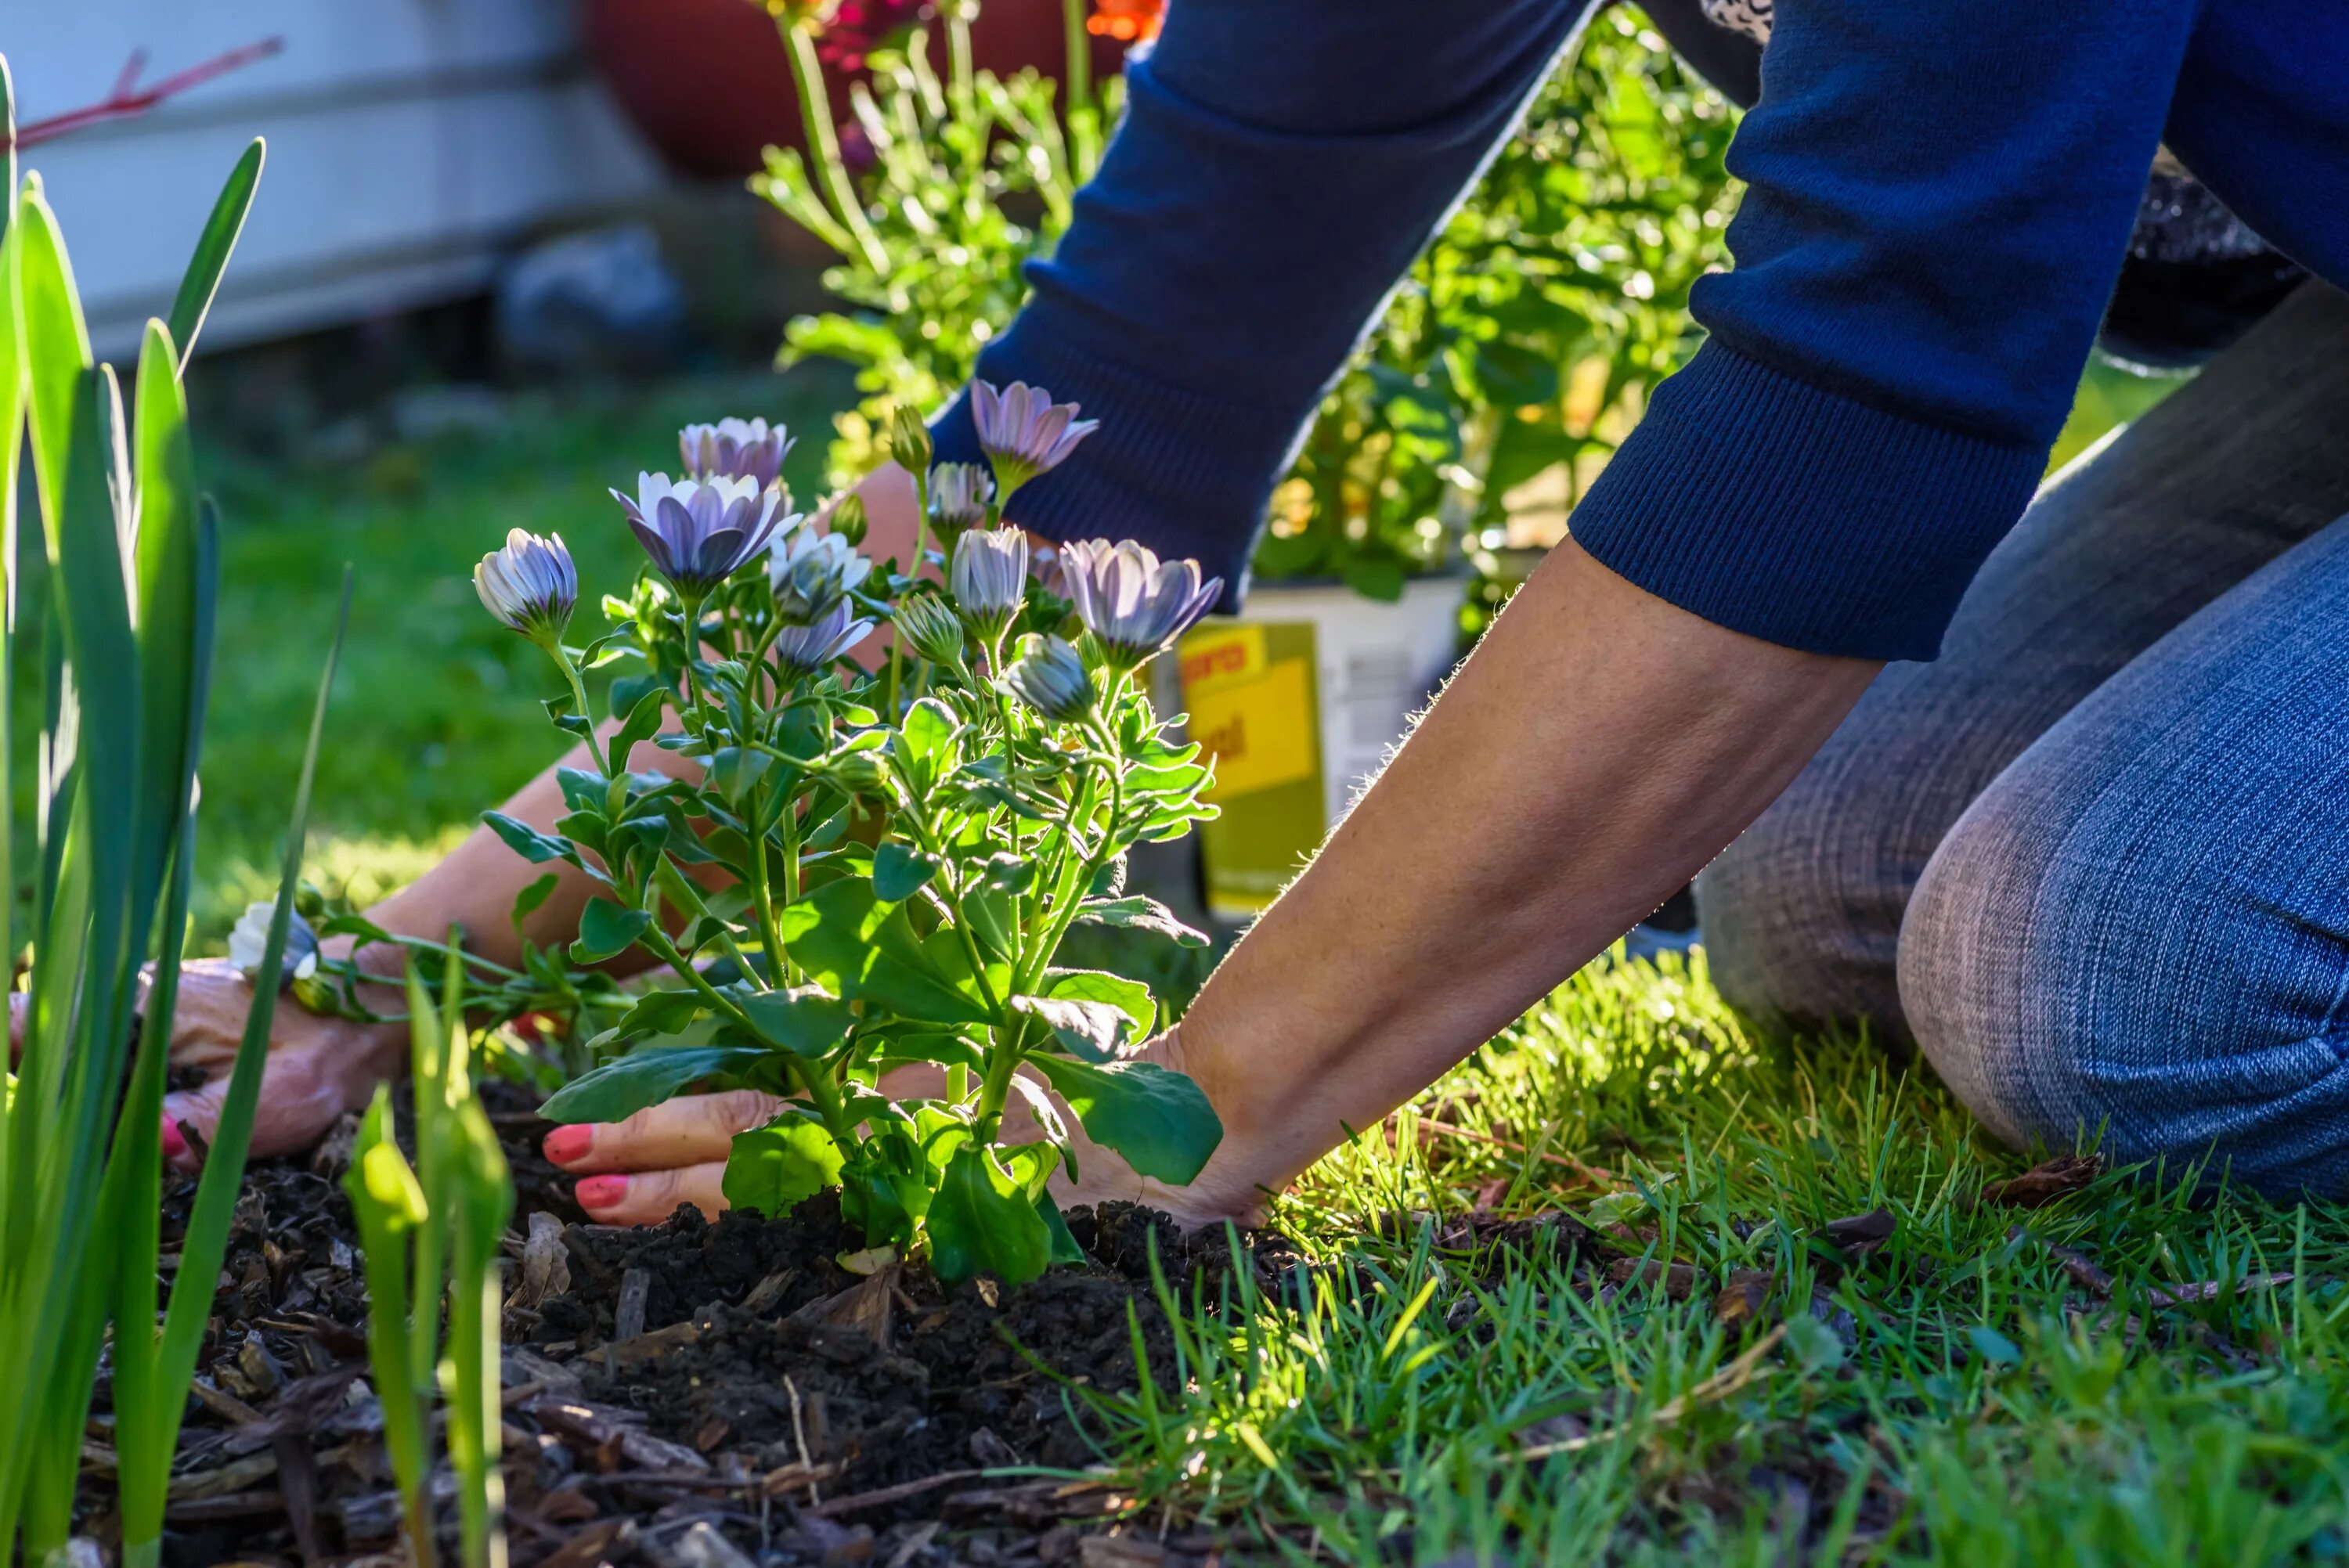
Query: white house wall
411, 142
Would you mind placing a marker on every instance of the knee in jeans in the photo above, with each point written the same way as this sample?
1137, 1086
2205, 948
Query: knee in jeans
2063, 1006
1798, 922
1976, 978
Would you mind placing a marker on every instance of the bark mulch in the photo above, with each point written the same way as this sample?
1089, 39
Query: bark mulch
690, 1396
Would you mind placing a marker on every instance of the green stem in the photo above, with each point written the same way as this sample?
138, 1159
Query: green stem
921, 554
579, 695
770, 935
1080, 57
824, 146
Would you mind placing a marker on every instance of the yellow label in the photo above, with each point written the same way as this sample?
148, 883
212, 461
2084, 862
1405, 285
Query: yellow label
1259, 730
1223, 657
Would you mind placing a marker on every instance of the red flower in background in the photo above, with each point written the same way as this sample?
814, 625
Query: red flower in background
857, 28
1127, 21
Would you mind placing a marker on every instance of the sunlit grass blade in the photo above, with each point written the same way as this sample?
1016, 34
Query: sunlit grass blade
201, 280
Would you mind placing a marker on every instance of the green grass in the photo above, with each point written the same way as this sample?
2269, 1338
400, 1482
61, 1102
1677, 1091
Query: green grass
1951, 1397
437, 714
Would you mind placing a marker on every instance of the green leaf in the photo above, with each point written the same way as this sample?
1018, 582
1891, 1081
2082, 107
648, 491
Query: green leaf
804, 1021
1157, 1121
867, 951
983, 1220
640, 722
901, 871
735, 772
1137, 912
528, 902
201, 278
1988, 1343
527, 842
606, 929
774, 1167
923, 745
658, 1013
628, 691
1064, 1245
1095, 1031
617, 1090
1131, 997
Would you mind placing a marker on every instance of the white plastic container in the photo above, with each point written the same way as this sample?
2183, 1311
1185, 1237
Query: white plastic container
1301, 699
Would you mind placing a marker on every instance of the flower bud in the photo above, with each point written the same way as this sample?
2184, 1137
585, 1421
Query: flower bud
909, 439
1050, 677
931, 629
959, 494
990, 578
845, 517
530, 585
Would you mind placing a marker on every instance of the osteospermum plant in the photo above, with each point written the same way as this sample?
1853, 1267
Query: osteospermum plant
900, 841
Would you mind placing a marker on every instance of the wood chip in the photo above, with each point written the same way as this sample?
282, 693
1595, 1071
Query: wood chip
1744, 1297
639, 1349
1860, 1234
869, 1307
603, 1541
221, 1403
769, 1291
1678, 1280
237, 1475
545, 1265
854, 1500
629, 1314
2044, 1183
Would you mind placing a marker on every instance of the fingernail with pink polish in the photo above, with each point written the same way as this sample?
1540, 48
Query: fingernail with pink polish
175, 1142
566, 1144
602, 1192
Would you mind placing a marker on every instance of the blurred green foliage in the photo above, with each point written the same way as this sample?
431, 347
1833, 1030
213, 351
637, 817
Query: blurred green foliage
970, 175
1527, 337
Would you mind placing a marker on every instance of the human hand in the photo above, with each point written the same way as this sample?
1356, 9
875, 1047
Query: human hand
317, 1068
636, 1171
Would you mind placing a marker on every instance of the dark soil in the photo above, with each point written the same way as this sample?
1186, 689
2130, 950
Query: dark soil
691, 1395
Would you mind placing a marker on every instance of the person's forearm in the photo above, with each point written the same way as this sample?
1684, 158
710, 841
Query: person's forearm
1600, 748
475, 888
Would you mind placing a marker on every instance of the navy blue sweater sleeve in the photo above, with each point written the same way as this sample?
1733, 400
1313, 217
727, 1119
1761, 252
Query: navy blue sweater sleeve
1939, 196
1280, 164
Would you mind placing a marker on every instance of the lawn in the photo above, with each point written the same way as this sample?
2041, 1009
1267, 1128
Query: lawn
1970, 1388
1942, 1379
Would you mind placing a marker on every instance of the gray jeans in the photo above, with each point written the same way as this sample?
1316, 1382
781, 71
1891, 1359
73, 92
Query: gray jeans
2094, 860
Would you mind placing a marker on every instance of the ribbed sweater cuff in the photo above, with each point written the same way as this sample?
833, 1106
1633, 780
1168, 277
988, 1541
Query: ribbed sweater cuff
1798, 516
1187, 475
